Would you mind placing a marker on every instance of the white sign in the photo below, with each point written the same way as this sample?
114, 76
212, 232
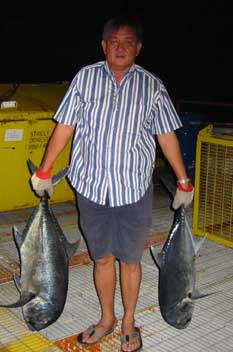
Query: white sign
13, 135
9, 104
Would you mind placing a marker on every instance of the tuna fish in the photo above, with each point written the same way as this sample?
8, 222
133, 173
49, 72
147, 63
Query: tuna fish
176, 263
44, 255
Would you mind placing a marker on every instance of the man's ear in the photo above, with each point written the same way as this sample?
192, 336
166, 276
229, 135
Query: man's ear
103, 43
139, 46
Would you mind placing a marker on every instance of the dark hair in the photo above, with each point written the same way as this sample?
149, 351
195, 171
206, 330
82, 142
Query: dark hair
115, 23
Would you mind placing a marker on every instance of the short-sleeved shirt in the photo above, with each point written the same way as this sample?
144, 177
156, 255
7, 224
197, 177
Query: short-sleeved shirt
114, 148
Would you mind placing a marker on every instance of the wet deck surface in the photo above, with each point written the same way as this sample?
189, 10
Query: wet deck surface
212, 323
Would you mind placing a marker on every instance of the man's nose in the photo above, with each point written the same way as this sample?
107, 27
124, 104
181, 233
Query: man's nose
120, 45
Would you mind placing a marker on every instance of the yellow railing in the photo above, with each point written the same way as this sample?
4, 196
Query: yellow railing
213, 202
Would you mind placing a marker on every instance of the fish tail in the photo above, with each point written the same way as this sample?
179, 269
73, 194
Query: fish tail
56, 178
59, 176
25, 298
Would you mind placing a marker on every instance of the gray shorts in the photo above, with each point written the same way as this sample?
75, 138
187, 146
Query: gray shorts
121, 230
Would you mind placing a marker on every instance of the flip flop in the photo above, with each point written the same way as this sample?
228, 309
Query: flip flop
128, 338
93, 333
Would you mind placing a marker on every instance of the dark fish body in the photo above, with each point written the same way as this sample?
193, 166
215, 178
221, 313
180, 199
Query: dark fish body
44, 262
176, 264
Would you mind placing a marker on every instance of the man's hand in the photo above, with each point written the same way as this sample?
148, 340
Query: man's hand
42, 181
184, 194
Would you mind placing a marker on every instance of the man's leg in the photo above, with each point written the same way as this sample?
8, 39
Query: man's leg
130, 279
105, 282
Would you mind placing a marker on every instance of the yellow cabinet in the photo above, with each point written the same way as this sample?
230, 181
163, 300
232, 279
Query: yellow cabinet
25, 127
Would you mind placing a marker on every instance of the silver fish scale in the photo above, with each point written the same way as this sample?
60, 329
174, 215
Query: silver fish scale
177, 274
44, 257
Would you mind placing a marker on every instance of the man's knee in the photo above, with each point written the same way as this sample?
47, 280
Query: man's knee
131, 267
105, 261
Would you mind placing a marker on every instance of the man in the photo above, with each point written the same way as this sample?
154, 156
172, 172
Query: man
115, 108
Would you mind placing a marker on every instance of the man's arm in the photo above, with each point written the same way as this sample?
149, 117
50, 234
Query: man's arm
171, 150
57, 143
41, 180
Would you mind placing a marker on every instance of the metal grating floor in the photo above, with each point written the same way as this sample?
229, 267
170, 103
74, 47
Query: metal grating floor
211, 327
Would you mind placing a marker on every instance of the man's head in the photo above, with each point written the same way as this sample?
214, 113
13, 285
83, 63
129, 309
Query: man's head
121, 42
114, 24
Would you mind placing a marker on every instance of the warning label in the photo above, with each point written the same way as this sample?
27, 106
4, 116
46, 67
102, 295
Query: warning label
38, 139
13, 135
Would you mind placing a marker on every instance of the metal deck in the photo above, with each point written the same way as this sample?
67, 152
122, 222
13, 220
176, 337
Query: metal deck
211, 326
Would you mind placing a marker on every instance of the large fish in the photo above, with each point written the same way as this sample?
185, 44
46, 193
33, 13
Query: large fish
44, 257
176, 263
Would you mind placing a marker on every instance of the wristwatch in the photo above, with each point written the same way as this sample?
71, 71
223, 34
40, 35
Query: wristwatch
183, 181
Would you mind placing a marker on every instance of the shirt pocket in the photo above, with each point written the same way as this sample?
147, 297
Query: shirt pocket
137, 119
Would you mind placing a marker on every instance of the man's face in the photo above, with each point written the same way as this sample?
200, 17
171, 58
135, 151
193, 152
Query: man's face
120, 49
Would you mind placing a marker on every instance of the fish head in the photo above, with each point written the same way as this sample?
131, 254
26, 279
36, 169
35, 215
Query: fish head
180, 315
38, 314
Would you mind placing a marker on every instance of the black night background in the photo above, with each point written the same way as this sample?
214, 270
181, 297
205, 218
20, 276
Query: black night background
188, 45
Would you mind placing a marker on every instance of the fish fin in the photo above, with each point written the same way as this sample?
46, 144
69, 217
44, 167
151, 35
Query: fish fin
59, 176
71, 247
24, 298
17, 236
31, 166
197, 243
197, 295
156, 256
168, 182
17, 281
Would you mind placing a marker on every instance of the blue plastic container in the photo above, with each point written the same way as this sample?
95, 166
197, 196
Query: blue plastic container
187, 135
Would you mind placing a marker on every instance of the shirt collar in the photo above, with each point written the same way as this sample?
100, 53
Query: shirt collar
106, 67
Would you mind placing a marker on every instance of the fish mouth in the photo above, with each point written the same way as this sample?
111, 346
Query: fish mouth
31, 327
178, 322
35, 325
39, 314
180, 315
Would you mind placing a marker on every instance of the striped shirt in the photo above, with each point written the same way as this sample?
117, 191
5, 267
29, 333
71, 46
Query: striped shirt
114, 148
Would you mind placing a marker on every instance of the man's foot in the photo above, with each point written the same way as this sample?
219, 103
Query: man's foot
131, 342
94, 334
